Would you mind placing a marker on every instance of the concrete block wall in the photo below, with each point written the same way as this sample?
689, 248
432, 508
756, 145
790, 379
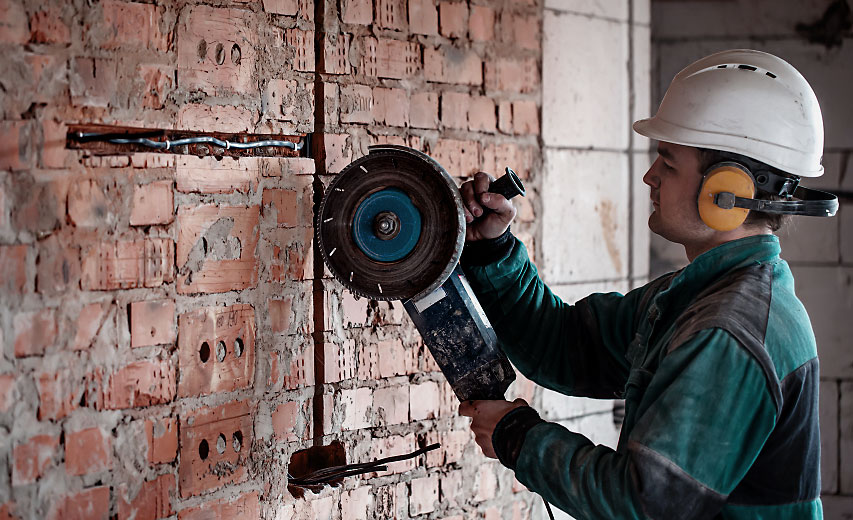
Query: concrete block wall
168, 337
818, 250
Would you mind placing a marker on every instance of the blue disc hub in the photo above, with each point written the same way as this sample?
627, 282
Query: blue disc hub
386, 225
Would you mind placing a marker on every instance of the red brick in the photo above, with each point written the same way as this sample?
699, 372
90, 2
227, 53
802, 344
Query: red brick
57, 267
338, 152
48, 27
126, 265
37, 207
215, 118
93, 81
450, 483
391, 405
216, 348
90, 504
453, 18
391, 14
162, 435
152, 322
7, 387
525, 117
87, 204
33, 458
393, 358
454, 110
211, 175
368, 361
206, 271
7, 512
481, 115
292, 254
216, 50
390, 106
35, 332
357, 11
143, 383
15, 145
59, 394
336, 54
356, 503
153, 160
387, 58
133, 25
291, 421
13, 265
505, 117
245, 506
203, 432
425, 400
284, 204
13, 24
339, 360
300, 372
153, 204
486, 483
424, 495
525, 31
285, 7
152, 501
512, 75
53, 152
452, 65
280, 313
158, 83
288, 100
459, 158
356, 104
423, 17
302, 43
424, 110
87, 451
355, 405
496, 157
481, 23
89, 322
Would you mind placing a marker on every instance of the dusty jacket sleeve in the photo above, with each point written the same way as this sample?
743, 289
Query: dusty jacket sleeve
575, 349
688, 451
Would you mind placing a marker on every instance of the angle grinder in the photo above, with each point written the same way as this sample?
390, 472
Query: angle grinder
391, 227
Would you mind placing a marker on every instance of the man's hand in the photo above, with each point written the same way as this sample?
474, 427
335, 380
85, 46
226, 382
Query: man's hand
476, 201
485, 416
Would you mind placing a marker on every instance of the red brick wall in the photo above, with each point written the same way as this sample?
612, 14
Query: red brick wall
160, 315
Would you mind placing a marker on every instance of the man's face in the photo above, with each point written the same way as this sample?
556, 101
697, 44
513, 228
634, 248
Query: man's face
675, 180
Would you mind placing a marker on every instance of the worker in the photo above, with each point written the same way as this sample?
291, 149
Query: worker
717, 362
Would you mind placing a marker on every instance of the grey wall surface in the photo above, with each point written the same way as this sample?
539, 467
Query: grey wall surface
820, 251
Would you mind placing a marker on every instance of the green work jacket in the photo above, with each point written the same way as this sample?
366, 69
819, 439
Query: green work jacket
718, 367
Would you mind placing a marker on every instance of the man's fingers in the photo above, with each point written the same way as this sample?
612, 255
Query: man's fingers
497, 203
482, 180
470, 200
520, 401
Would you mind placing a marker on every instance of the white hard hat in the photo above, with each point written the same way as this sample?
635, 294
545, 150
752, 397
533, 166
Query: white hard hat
743, 101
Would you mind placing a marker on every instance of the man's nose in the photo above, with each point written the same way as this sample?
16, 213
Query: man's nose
651, 178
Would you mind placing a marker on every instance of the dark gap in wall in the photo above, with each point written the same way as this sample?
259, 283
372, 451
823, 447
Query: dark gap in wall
309, 460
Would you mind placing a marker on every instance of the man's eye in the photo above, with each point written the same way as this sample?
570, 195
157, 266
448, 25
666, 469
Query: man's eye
667, 166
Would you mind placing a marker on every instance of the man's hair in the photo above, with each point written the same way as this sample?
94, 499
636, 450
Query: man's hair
774, 222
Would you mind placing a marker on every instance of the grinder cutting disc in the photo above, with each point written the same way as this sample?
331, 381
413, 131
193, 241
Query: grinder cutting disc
391, 225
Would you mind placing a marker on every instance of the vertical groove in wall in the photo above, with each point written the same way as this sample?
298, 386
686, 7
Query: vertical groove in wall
632, 102
318, 150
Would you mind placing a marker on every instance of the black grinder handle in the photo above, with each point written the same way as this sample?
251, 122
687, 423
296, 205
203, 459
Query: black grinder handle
509, 185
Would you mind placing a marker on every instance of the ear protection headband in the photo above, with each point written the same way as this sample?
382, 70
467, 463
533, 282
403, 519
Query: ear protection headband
728, 190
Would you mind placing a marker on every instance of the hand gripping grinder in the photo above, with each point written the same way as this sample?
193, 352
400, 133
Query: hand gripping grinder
391, 227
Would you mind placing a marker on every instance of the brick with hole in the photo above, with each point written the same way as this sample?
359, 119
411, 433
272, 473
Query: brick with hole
300, 371
87, 451
301, 44
89, 504
217, 50
389, 58
336, 54
214, 445
153, 204
162, 435
216, 248
152, 322
216, 348
128, 264
33, 458
515, 75
391, 14
153, 499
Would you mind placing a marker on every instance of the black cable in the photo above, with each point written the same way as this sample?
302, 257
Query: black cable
327, 475
167, 144
548, 508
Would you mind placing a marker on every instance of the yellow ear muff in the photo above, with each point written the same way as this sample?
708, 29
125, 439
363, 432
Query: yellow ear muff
724, 178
